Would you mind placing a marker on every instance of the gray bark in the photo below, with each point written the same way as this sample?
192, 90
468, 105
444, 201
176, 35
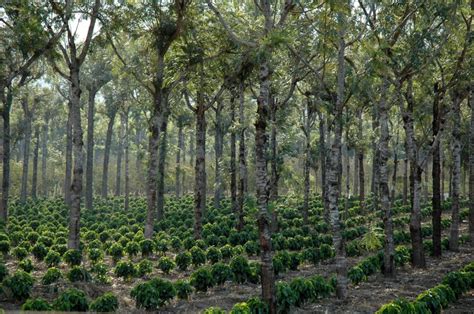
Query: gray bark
163, 151
233, 163
90, 149
179, 171
118, 178
200, 180
28, 115
34, 179
127, 163
218, 148
242, 186
108, 142
44, 156
471, 169
68, 171
456, 173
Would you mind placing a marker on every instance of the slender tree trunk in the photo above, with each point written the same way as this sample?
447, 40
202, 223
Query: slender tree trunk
264, 219
44, 156
323, 158
127, 164
355, 182
242, 188
418, 255
307, 160
435, 174
118, 178
108, 142
389, 247
26, 149
456, 150
6, 155
374, 188
183, 173
334, 166
34, 179
200, 183
76, 186
179, 171
68, 172
360, 158
218, 147
348, 174
471, 170
441, 156
405, 176
274, 160
233, 161
160, 190
395, 171
90, 149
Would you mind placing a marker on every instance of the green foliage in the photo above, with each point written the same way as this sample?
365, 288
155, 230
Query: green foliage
221, 273
286, 297
257, 306
73, 257
4, 247
214, 310
78, 273
116, 251
240, 268
213, 255
183, 260
71, 300
201, 279
20, 285
53, 258
20, 253
125, 270
107, 302
165, 264
240, 308
95, 255
144, 268
132, 248
37, 304
26, 265
3, 272
153, 294
147, 247
356, 275
183, 289
52, 275
198, 256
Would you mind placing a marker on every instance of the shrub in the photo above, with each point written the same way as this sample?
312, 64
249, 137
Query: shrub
294, 261
213, 254
105, 303
146, 247
20, 285
226, 252
166, 264
4, 247
144, 267
38, 304
3, 271
183, 260
458, 281
251, 247
356, 275
20, 252
73, 257
116, 251
201, 279
326, 251
53, 258
429, 299
153, 294
125, 270
52, 275
240, 268
214, 310
285, 297
78, 273
183, 289
240, 308
71, 300
95, 255
257, 306
221, 273
303, 288
322, 288
402, 255
26, 265
100, 270
198, 256
132, 248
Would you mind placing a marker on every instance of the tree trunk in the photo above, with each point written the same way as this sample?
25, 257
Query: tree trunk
360, 158
160, 189
442, 176
418, 255
233, 162
127, 164
307, 160
68, 172
471, 170
6, 155
323, 158
355, 181
242, 188
26, 148
348, 174
389, 247
90, 149
435, 174
118, 178
334, 166
264, 219
200, 181
178, 189
76, 186
44, 156
405, 176
395, 171
34, 179
218, 147
456, 150
108, 142
274, 159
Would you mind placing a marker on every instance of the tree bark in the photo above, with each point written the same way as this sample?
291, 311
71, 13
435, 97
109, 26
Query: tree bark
179, 171
6, 155
471, 170
233, 161
435, 174
307, 161
118, 178
405, 176
27, 111
90, 148
200, 180
348, 174
218, 148
395, 171
108, 142
160, 189
68, 171
44, 156
34, 179
360, 158
384, 154
127, 163
323, 157
456, 174
242, 188
274, 159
